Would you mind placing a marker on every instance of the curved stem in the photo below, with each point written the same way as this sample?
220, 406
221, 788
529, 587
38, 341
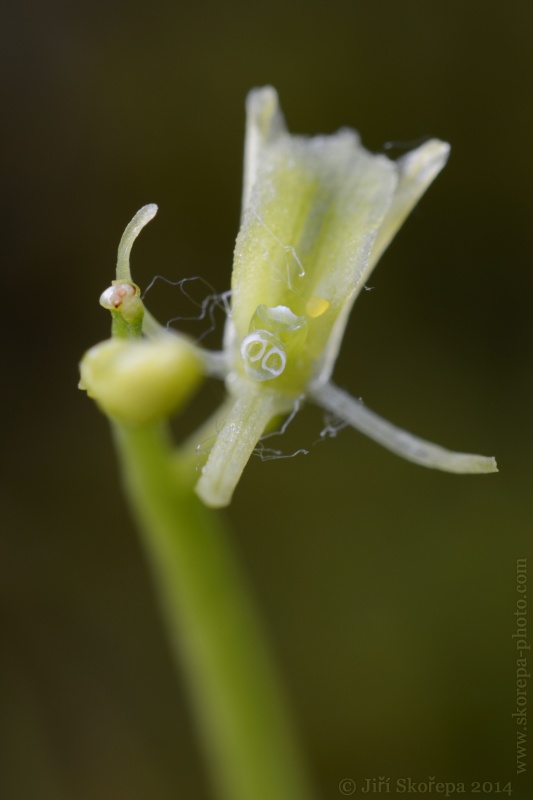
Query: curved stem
212, 627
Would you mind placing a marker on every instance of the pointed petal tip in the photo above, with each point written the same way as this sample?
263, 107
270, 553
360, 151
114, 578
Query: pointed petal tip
264, 113
423, 164
437, 151
261, 96
470, 464
489, 464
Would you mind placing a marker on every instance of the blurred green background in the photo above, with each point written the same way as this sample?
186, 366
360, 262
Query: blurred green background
388, 592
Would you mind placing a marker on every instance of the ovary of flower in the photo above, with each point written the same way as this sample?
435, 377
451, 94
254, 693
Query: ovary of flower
334, 207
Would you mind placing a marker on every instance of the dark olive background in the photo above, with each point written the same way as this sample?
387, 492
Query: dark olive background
388, 591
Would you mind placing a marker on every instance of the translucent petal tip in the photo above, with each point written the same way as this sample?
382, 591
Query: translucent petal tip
486, 464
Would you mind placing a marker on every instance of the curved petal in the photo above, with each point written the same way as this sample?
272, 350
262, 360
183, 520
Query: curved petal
416, 171
396, 439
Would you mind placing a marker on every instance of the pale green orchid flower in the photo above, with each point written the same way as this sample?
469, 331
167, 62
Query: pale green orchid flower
317, 215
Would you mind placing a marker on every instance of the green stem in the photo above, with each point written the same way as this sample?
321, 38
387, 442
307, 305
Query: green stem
213, 628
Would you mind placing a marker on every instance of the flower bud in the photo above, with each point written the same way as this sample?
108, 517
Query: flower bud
142, 380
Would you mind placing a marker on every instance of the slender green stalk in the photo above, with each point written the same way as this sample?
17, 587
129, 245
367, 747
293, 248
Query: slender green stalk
212, 626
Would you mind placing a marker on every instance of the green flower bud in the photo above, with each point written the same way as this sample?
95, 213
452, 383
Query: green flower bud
139, 381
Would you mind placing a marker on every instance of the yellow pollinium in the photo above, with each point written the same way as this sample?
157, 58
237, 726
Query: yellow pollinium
316, 306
